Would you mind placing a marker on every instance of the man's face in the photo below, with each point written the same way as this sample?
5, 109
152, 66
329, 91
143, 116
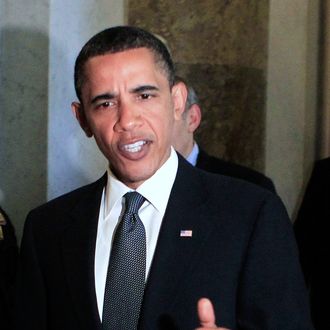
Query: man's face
128, 106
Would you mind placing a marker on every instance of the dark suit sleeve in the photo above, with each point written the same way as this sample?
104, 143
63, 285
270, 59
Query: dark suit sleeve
308, 225
219, 166
312, 230
272, 292
8, 267
31, 302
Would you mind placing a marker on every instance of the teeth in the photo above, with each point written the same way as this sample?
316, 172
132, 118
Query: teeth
134, 147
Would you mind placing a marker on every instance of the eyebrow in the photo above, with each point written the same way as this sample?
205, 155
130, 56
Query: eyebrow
105, 96
144, 88
110, 96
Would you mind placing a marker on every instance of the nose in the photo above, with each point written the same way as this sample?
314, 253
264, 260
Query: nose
129, 117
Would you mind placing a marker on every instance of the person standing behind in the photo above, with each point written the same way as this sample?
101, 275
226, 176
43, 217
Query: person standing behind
185, 144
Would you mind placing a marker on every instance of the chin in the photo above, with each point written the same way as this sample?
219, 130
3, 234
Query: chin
134, 177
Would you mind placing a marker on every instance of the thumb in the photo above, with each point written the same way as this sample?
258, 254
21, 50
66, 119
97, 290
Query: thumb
206, 313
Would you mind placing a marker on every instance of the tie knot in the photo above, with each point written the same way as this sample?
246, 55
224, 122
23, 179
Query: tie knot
133, 201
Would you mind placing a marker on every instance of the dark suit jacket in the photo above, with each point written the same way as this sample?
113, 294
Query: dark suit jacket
8, 267
219, 166
241, 255
312, 228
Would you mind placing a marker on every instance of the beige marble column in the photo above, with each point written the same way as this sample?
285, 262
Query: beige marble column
325, 79
43, 152
292, 96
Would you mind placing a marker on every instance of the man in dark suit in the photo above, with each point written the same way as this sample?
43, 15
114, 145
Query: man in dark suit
185, 144
312, 228
206, 235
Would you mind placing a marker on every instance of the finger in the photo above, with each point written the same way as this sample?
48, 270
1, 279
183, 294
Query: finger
206, 313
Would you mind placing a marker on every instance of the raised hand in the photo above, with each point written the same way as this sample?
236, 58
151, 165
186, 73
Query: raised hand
206, 315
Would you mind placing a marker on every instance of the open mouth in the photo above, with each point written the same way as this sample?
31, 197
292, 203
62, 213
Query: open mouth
134, 147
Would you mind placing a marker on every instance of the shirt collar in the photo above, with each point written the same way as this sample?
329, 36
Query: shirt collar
150, 189
192, 157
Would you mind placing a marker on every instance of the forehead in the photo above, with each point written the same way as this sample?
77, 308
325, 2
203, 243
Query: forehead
119, 64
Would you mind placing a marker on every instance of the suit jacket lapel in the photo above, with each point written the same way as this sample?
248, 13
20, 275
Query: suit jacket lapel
78, 248
175, 254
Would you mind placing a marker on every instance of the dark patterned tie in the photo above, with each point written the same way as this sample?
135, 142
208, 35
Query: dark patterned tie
125, 281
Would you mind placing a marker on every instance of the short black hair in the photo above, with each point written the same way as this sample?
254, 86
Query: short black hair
118, 39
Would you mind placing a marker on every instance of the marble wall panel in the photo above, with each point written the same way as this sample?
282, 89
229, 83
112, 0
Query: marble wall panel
233, 101
43, 152
220, 47
23, 106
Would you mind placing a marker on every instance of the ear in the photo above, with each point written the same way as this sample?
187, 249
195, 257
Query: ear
179, 96
194, 117
79, 113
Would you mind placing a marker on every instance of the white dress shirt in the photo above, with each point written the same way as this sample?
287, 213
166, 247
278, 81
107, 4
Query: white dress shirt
156, 190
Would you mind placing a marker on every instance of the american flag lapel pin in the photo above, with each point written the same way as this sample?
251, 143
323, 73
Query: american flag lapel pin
186, 233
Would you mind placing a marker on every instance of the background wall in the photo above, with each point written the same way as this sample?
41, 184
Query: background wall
24, 42
325, 79
73, 159
254, 65
220, 47
43, 152
292, 96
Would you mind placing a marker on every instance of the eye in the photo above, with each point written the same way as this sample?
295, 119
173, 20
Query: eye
105, 105
145, 96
